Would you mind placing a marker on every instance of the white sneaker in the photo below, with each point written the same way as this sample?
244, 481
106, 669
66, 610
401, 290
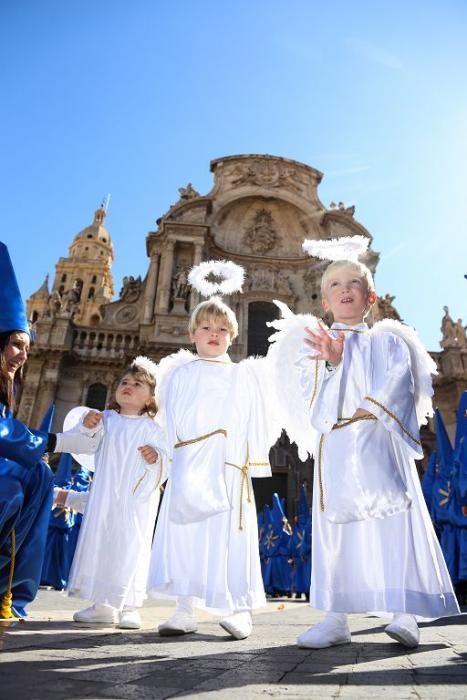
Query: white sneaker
129, 620
239, 625
328, 633
178, 623
97, 613
404, 629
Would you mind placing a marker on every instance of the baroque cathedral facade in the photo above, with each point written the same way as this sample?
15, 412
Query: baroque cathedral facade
257, 214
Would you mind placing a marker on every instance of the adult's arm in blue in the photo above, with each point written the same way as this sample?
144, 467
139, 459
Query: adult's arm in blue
19, 443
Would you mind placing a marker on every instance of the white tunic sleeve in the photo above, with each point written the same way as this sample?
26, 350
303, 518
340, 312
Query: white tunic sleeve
391, 394
152, 476
260, 434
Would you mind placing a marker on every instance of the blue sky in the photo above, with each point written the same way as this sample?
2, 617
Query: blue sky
136, 97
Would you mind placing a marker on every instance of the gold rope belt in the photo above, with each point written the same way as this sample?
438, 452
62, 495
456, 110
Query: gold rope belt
245, 480
220, 431
341, 423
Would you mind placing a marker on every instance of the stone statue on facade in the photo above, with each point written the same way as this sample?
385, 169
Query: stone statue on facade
131, 289
460, 334
283, 285
448, 330
180, 288
342, 209
188, 192
70, 299
54, 304
386, 309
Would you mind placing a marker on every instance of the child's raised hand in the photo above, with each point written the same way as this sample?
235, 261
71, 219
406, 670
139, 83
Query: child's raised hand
149, 454
326, 347
92, 419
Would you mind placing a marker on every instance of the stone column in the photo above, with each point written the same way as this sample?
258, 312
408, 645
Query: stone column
166, 277
194, 297
150, 291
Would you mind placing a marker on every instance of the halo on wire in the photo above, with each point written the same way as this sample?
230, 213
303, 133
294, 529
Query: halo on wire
229, 273
144, 363
343, 248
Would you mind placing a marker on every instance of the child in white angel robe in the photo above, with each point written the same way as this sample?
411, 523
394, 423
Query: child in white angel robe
205, 550
111, 561
374, 547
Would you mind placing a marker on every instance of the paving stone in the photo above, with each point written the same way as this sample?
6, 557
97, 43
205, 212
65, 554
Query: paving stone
50, 657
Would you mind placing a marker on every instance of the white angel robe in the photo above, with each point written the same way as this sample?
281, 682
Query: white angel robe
385, 558
111, 561
206, 540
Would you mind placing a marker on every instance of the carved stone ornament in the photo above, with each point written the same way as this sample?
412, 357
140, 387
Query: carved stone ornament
454, 335
261, 235
386, 309
342, 209
131, 289
126, 314
188, 192
176, 331
266, 174
266, 280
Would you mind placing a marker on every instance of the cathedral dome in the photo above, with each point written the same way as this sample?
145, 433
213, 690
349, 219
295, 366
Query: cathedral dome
94, 241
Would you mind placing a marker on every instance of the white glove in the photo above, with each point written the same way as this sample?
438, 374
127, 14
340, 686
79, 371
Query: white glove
77, 443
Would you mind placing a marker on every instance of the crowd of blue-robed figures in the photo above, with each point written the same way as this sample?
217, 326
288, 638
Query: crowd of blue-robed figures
444, 486
284, 548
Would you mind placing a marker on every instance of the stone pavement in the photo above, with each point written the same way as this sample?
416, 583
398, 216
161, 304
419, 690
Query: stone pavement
49, 657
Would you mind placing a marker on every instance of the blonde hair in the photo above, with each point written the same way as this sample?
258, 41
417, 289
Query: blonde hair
359, 268
216, 308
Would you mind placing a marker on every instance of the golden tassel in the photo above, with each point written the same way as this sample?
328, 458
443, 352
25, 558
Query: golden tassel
6, 613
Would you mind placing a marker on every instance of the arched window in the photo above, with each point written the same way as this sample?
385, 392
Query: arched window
63, 278
259, 312
91, 293
96, 396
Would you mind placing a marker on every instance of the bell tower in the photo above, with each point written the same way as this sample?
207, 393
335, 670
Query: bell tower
83, 281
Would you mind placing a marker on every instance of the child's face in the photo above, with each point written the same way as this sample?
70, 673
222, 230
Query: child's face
132, 395
212, 337
346, 296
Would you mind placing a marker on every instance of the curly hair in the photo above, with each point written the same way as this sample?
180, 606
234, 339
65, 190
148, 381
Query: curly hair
146, 378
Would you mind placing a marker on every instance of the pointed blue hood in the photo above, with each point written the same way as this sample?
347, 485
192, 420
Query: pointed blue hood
12, 311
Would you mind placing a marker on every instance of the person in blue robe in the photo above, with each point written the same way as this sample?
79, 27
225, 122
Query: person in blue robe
300, 549
280, 566
81, 483
25, 480
442, 495
428, 480
58, 551
458, 505
266, 547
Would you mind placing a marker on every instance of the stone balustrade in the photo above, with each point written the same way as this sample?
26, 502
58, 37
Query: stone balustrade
102, 344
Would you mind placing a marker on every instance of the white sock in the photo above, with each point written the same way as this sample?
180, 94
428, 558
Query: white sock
185, 605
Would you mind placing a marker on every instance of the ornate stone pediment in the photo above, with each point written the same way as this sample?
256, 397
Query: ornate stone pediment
262, 226
268, 173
